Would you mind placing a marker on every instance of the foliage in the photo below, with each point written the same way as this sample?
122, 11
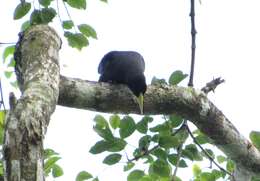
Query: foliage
50, 163
162, 146
77, 35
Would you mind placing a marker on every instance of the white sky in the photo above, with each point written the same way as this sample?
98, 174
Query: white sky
227, 45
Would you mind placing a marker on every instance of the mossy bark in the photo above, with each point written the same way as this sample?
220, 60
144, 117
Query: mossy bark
38, 75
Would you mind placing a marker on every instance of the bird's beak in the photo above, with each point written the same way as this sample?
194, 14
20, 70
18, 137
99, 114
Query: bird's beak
140, 100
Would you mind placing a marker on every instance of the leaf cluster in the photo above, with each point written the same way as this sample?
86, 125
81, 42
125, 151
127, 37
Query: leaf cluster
77, 35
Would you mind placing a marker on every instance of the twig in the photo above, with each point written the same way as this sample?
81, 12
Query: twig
58, 11
206, 153
1, 94
147, 152
7, 43
211, 86
193, 42
68, 13
143, 154
177, 162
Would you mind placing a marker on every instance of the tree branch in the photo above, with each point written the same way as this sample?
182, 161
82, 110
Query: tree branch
191, 104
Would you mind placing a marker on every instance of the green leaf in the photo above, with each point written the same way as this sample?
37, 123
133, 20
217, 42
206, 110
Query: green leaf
175, 120
210, 152
192, 152
176, 77
168, 142
14, 84
177, 178
83, 175
79, 4
101, 121
50, 162
206, 176
2, 118
230, 166
43, 16
160, 154
45, 3
129, 166
9, 51
255, 138
67, 24
146, 178
47, 14
161, 168
8, 74
255, 179
112, 159
149, 159
12, 62
95, 179
144, 142
156, 138
142, 126
156, 81
105, 1
100, 147
25, 25
114, 121
49, 152
57, 171
117, 145
104, 132
182, 135
135, 175
173, 160
87, 30
35, 17
163, 129
76, 40
114, 145
2, 122
221, 159
21, 10
202, 139
196, 170
217, 174
127, 127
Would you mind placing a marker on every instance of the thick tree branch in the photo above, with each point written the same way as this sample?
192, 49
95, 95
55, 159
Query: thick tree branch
37, 70
192, 104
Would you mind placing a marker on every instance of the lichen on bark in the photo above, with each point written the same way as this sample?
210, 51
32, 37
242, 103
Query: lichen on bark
37, 71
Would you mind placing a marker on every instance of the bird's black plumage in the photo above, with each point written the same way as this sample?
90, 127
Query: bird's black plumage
124, 67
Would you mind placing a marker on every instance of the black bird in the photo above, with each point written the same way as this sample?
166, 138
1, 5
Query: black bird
124, 67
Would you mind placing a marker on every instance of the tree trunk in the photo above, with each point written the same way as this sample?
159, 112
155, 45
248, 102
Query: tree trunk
37, 70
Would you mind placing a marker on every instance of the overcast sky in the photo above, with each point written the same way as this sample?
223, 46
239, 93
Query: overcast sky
227, 45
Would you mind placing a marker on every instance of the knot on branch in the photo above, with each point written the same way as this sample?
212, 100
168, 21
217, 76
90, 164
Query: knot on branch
211, 86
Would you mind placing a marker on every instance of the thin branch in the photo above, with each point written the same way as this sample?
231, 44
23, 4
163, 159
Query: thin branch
147, 152
206, 153
7, 43
1, 94
68, 13
193, 43
177, 162
58, 11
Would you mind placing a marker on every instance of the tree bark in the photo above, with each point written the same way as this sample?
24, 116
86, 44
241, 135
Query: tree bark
37, 70
191, 104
